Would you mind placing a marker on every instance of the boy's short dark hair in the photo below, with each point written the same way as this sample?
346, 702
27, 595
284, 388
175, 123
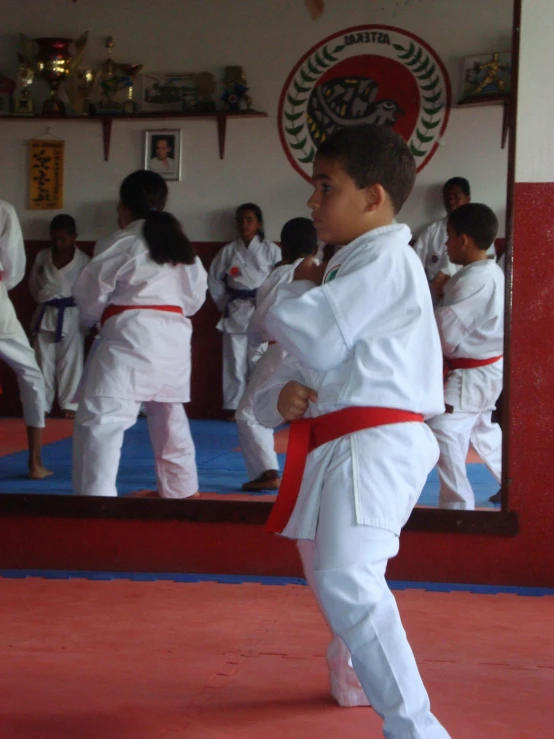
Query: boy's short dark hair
63, 222
476, 221
298, 238
460, 182
374, 155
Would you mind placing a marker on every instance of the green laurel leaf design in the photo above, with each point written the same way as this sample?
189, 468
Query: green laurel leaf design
312, 68
424, 70
431, 86
429, 125
299, 88
424, 139
293, 116
294, 131
416, 58
300, 144
309, 158
432, 98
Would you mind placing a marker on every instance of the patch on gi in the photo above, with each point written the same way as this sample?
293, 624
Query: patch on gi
234, 272
434, 259
330, 276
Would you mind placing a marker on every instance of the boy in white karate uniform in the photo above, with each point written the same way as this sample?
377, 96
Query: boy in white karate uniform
431, 244
470, 318
58, 335
298, 240
15, 349
235, 274
364, 370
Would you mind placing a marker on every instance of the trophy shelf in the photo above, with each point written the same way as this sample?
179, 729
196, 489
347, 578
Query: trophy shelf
220, 116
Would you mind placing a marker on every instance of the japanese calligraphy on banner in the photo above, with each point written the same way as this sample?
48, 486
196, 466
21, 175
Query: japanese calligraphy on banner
46, 174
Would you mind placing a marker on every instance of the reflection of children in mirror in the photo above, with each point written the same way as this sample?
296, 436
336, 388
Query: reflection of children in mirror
162, 148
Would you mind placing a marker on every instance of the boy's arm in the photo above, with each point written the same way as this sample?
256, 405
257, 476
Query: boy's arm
12, 247
457, 317
266, 402
216, 286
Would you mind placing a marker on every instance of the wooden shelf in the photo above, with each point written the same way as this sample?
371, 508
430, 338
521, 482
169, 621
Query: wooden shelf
476, 101
220, 116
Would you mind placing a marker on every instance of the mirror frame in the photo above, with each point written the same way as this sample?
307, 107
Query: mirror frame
498, 523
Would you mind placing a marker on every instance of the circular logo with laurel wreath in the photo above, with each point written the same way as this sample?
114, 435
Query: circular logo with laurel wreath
365, 74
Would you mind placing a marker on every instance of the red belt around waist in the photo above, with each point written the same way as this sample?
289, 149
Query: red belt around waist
115, 310
464, 363
307, 434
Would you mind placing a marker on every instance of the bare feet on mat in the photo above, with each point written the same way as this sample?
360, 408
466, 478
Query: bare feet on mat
497, 497
39, 473
231, 418
268, 480
144, 494
68, 414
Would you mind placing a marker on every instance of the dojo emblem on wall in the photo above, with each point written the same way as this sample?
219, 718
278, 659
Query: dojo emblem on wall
366, 74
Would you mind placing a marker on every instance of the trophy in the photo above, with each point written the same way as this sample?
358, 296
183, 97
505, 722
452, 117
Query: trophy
54, 64
79, 87
130, 71
109, 83
205, 82
236, 87
23, 102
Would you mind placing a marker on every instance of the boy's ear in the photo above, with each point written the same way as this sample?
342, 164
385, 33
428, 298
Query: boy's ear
465, 240
375, 197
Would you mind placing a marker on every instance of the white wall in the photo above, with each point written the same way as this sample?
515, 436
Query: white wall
535, 143
267, 37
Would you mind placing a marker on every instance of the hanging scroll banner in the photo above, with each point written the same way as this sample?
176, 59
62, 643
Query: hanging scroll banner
46, 174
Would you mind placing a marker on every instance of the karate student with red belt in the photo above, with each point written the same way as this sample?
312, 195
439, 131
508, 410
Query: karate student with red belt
470, 319
363, 371
141, 288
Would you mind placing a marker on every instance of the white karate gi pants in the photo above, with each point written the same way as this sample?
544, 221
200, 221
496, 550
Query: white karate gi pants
98, 437
62, 366
16, 351
239, 358
256, 441
345, 686
454, 433
349, 571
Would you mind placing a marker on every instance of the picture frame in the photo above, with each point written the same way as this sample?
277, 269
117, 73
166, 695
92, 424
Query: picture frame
169, 93
487, 75
162, 152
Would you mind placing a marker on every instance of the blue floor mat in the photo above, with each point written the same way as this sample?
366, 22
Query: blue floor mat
220, 469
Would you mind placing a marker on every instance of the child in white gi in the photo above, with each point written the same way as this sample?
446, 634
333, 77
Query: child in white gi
298, 240
470, 318
363, 372
141, 288
235, 274
58, 335
15, 349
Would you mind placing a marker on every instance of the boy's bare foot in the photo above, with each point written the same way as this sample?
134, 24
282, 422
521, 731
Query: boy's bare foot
68, 414
39, 473
268, 480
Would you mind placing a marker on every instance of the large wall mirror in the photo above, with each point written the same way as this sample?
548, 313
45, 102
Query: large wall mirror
476, 143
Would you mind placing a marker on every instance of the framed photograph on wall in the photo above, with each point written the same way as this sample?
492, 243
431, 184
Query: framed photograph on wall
486, 75
162, 152
166, 93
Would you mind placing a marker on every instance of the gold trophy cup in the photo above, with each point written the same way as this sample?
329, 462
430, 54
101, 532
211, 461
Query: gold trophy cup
131, 71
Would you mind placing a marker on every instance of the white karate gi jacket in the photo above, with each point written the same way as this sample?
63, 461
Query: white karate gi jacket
366, 337
470, 319
141, 355
47, 282
12, 266
244, 268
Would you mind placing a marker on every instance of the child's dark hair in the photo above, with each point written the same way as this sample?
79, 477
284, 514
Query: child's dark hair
460, 182
63, 222
257, 212
144, 193
298, 239
476, 221
374, 155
